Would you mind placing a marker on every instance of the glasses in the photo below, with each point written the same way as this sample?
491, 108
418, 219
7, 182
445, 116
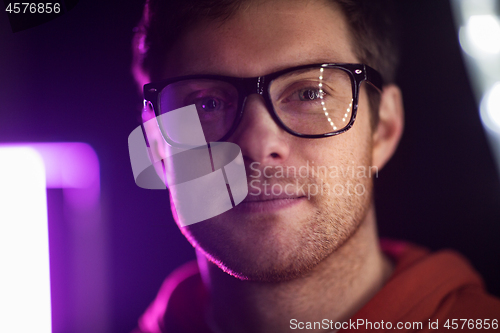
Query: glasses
310, 101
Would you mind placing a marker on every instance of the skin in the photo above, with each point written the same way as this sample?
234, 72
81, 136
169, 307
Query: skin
317, 258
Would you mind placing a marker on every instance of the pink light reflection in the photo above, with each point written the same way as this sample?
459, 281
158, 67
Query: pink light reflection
70, 165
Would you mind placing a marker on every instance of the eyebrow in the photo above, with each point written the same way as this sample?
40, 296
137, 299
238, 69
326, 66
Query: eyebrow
332, 60
214, 71
299, 71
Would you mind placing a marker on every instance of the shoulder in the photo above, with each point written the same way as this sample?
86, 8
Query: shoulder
178, 307
426, 287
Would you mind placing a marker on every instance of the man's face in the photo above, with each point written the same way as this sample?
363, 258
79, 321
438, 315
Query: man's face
275, 236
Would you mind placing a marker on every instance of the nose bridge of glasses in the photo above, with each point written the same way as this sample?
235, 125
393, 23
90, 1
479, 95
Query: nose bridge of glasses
248, 86
251, 86
257, 100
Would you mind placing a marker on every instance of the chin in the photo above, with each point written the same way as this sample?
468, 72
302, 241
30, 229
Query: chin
274, 247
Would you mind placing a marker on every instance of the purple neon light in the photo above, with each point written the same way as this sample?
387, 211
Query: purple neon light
70, 165
74, 168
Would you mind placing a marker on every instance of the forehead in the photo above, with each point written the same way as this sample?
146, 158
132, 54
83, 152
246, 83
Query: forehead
263, 38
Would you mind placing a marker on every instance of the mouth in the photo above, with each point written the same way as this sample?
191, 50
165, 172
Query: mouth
262, 203
252, 197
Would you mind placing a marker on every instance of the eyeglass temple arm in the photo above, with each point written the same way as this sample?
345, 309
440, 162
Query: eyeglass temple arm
374, 78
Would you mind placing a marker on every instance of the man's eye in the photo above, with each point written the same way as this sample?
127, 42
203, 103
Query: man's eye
209, 104
310, 94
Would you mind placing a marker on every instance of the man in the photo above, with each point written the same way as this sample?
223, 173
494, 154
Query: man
301, 251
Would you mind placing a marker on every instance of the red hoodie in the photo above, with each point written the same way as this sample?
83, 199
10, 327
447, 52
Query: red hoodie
437, 292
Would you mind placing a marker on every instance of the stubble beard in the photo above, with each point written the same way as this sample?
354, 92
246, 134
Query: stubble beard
262, 249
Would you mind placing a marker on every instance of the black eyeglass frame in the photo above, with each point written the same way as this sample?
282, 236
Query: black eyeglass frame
260, 85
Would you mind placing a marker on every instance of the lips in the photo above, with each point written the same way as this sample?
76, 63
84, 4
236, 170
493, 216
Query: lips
266, 202
262, 197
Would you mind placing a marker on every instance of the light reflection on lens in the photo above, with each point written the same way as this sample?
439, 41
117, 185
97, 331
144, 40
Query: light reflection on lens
490, 108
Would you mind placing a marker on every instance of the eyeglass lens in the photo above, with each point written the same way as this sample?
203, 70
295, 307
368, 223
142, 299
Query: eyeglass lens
310, 101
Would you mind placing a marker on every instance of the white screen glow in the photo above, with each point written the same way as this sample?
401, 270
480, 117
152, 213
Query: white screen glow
483, 32
24, 249
490, 108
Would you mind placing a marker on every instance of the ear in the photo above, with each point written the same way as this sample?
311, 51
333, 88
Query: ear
390, 126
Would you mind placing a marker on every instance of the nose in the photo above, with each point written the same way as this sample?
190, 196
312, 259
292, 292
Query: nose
259, 136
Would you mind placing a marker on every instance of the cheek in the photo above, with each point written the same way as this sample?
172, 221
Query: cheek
346, 148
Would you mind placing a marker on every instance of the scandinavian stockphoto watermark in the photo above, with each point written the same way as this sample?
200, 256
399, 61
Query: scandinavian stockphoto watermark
310, 180
207, 179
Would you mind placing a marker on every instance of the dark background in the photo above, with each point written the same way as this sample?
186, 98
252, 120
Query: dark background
69, 80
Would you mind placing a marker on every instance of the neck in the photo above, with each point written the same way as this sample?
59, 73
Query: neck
335, 289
